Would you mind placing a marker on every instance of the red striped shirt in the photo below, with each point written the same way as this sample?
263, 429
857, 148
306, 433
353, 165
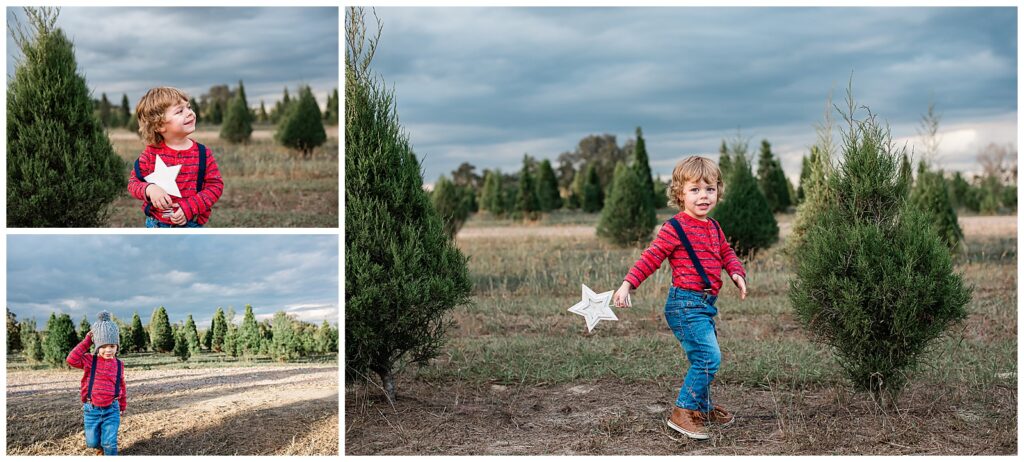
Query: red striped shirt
708, 243
195, 204
106, 373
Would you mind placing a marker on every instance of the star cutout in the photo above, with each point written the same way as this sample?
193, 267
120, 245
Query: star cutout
594, 307
165, 177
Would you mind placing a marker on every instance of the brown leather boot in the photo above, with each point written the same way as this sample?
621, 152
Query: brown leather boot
687, 422
99, 451
719, 416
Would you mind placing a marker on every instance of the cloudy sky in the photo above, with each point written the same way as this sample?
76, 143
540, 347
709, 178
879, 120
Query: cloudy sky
129, 50
486, 85
187, 274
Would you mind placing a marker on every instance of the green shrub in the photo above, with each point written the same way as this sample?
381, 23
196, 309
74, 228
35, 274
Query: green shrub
628, 217
743, 211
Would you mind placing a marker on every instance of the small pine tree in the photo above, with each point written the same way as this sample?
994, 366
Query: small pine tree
450, 205
724, 160
61, 168
237, 126
302, 128
331, 114
743, 211
208, 339
874, 282
593, 196
231, 343
160, 333
126, 111
403, 275
548, 198
83, 328
32, 343
526, 195
326, 338
248, 333
771, 179
262, 116
140, 340
490, 198
60, 340
192, 336
628, 217
285, 345
217, 112
931, 196
13, 333
219, 327
642, 166
127, 340
105, 112
181, 349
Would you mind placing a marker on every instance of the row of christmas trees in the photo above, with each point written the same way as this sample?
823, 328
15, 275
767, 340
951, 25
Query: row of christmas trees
281, 337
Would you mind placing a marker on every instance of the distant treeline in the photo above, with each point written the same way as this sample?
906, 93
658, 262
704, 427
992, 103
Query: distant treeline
282, 338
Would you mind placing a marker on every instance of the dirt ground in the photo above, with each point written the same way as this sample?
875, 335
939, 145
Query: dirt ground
268, 410
611, 417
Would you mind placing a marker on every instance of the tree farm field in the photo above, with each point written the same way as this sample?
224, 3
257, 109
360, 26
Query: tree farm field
266, 185
520, 374
214, 405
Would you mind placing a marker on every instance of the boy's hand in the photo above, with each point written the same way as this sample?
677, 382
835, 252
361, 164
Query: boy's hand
621, 296
160, 199
741, 284
178, 217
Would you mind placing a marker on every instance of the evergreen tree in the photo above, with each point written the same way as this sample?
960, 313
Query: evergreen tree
593, 196
526, 195
403, 275
133, 124
490, 198
106, 113
302, 128
249, 333
192, 336
125, 335
962, 194
660, 195
805, 173
208, 339
60, 340
216, 112
83, 328
579, 182
326, 339
931, 196
192, 103
219, 327
57, 151
743, 212
160, 334
642, 166
262, 116
724, 160
140, 340
331, 114
450, 205
771, 179
13, 333
237, 126
180, 348
126, 111
548, 198
231, 340
285, 343
628, 217
874, 282
32, 344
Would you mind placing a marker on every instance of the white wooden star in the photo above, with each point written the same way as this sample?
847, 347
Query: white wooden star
594, 307
165, 177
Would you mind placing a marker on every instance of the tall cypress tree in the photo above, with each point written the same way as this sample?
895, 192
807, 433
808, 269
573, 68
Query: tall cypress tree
61, 169
237, 126
13, 333
303, 128
627, 218
642, 166
743, 211
548, 198
931, 196
180, 348
160, 333
192, 336
219, 327
125, 112
32, 344
140, 340
403, 275
724, 160
60, 339
526, 195
592, 194
490, 198
874, 282
249, 333
772, 179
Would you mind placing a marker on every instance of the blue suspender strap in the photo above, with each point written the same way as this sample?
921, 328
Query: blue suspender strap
117, 380
202, 168
692, 254
138, 175
92, 378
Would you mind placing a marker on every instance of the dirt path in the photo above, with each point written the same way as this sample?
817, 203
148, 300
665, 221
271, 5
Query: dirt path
974, 226
279, 410
614, 417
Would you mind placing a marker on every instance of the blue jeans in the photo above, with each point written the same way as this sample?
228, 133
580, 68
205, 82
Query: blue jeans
154, 223
691, 315
101, 425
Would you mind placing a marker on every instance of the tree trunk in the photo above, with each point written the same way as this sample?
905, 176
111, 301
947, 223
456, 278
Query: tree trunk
387, 379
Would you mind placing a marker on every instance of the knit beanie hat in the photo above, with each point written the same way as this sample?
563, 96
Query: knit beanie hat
105, 330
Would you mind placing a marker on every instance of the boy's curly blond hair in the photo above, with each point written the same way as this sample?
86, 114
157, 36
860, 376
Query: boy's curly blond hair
150, 111
693, 168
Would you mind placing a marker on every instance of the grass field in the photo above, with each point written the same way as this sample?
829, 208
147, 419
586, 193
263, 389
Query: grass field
265, 185
520, 375
212, 405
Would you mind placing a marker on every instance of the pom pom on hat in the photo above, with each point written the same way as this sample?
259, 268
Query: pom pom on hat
105, 330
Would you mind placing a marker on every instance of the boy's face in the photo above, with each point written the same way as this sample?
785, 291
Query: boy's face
699, 198
179, 121
107, 351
